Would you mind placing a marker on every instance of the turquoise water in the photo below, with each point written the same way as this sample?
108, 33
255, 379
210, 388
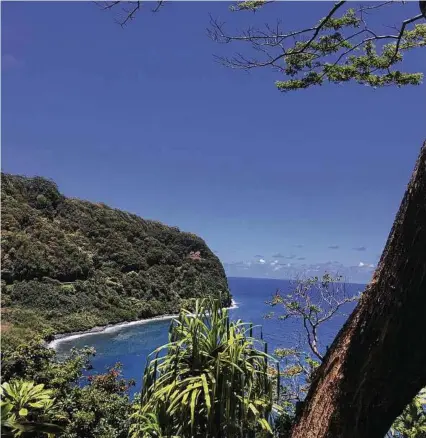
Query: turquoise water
130, 345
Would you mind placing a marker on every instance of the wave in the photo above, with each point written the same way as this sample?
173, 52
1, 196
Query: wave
111, 328
234, 305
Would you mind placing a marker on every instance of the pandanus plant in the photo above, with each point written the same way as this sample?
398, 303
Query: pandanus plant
214, 380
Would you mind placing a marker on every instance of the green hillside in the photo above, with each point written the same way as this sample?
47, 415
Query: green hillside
70, 265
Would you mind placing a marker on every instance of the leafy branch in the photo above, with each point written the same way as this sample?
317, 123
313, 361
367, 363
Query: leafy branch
341, 47
313, 301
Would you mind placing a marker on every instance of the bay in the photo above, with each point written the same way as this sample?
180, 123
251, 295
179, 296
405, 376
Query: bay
131, 344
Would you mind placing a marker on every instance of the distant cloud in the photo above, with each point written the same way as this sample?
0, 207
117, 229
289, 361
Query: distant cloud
290, 257
365, 265
278, 256
301, 258
360, 248
299, 245
257, 256
334, 247
281, 268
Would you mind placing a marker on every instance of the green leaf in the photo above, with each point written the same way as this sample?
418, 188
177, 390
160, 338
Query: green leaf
23, 412
206, 392
194, 396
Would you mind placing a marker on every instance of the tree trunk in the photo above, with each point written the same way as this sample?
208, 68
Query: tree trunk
377, 363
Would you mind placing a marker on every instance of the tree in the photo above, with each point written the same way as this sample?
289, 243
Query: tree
371, 371
312, 302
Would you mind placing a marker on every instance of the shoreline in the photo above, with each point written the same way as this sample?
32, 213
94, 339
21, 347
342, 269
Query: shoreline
110, 328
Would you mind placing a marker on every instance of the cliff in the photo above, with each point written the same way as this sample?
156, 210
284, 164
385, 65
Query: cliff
70, 265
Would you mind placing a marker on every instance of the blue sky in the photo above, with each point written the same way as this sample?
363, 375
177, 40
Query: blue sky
143, 119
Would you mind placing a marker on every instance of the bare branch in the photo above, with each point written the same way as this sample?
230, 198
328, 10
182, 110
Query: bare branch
160, 3
364, 9
272, 61
313, 301
129, 11
336, 308
312, 340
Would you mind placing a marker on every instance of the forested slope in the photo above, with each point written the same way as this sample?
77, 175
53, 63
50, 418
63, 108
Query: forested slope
70, 265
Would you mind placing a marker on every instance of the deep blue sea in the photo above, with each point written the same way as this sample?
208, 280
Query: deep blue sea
130, 345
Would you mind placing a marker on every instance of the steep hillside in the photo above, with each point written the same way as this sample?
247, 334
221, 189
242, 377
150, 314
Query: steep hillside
71, 265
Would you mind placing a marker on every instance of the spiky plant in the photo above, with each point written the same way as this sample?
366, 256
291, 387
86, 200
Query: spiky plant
213, 380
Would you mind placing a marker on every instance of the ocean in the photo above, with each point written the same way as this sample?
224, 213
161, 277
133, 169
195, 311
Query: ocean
130, 345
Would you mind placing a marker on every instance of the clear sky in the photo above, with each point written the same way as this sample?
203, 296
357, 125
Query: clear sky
143, 119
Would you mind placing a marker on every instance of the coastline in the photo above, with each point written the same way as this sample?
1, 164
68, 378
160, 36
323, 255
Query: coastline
110, 328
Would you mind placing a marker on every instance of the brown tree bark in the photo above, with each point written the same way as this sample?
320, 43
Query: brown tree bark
377, 363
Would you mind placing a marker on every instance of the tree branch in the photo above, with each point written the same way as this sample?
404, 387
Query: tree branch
129, 13
401, 33
328, 53
312, 344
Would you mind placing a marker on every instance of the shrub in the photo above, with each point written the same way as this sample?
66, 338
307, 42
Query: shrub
213, 380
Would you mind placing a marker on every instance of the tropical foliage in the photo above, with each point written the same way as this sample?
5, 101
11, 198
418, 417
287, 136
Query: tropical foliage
59, 398
412, 422
214, 380
26, 407
70, 265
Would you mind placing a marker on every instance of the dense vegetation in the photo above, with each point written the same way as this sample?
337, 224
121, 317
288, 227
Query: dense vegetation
213, 379
67, 404
70, 265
